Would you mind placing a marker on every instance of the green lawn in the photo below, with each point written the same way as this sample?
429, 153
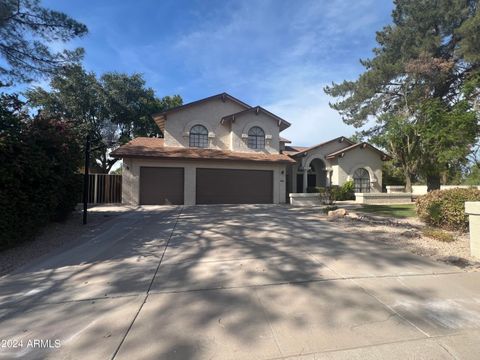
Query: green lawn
398, 211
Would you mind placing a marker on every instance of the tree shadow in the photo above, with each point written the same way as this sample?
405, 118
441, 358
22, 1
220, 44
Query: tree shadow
239, 280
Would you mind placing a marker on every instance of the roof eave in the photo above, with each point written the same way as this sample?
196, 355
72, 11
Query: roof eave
180, 158
223, 96
282, 124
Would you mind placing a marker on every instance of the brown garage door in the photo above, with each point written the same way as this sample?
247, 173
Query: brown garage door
232, 186
161, 186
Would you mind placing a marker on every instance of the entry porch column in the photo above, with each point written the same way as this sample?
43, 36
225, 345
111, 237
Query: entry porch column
305, 179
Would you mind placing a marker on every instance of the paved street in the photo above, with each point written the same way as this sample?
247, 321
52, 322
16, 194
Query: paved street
237, 282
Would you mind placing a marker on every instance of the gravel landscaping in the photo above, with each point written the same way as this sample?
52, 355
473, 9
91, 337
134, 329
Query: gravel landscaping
407, 234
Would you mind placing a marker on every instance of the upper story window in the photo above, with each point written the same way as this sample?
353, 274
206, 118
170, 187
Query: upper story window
198, 136
256, 138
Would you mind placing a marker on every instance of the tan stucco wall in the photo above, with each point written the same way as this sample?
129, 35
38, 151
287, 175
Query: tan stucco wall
343, 168
320, 153
227, 136
208, 114
131, 177
245, 122
361, 158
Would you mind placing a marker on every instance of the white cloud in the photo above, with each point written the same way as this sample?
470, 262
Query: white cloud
281, 62
278, 54
298, 97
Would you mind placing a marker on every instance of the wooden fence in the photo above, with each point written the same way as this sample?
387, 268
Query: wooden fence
104, 189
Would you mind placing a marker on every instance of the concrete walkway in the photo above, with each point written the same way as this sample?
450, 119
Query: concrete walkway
237, 282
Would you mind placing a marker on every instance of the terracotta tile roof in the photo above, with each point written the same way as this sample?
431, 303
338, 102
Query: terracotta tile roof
286, 141
292, 150
154, 148
362, 145
348, 142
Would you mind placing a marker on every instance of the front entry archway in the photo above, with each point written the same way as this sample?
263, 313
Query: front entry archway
315, 177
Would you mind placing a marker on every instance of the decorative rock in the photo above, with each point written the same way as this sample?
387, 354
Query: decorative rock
338, 213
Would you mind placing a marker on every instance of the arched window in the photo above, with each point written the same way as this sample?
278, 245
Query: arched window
361, 180
198, 136
256, 138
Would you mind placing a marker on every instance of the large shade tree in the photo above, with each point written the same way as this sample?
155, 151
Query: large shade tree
417, 94
111, 109
27, 31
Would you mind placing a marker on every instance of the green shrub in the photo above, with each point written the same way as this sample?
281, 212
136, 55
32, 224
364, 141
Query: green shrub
446, 208
347, 191
39, 160
335, 193
344, 192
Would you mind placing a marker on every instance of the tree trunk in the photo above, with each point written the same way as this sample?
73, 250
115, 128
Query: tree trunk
433, 182
408, 182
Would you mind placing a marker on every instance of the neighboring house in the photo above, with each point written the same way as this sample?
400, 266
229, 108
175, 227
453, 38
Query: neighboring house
220, 150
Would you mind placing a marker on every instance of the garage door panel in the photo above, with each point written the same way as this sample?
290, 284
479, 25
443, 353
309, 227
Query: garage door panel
161, 186
234, 186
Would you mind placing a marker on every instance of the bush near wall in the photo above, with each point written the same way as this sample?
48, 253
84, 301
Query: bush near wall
337, 193
446, 208
39, 159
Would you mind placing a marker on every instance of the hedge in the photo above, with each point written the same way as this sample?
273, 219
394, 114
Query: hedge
39, 160
446, 208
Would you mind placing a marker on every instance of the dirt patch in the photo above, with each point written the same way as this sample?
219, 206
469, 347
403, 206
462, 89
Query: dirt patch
59, 236
407, 234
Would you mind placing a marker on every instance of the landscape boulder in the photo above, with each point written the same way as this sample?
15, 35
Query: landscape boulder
338, 213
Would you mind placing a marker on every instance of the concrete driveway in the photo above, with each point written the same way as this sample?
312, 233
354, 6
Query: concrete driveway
236, 282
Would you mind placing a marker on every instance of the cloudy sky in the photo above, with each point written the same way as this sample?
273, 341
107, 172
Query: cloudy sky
275, 53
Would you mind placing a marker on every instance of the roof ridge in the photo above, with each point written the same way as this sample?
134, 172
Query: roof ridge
222, 94
342, 138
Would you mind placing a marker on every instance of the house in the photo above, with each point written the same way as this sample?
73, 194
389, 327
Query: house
220, 150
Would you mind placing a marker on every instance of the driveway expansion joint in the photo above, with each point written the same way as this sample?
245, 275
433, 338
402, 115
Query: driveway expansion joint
149, 287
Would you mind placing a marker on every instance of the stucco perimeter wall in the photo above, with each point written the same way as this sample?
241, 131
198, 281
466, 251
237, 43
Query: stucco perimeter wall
361, 158
208, 114
472, 208
131, 176
245, 122
383, 198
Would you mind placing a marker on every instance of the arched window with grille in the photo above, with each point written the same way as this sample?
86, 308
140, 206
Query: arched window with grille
198, 136
256, 138
361, 180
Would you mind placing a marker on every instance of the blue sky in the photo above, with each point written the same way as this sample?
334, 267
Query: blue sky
278, 54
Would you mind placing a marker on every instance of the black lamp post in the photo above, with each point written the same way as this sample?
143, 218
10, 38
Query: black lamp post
86, 179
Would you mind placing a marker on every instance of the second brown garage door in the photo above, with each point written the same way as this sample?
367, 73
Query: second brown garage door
232, 186
161, 186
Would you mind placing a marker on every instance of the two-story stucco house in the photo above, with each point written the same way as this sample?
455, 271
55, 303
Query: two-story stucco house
220, 150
